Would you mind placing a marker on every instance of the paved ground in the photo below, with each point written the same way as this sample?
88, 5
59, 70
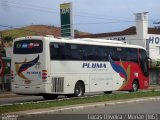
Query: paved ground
61, 110
9, 94
74, 109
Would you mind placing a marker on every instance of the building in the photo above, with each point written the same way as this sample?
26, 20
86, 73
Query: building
141, 35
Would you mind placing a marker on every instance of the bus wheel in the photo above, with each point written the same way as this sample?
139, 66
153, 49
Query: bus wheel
134, 86
79, 89
50, 96
108, 92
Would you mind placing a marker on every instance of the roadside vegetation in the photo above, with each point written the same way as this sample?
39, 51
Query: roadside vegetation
75, 101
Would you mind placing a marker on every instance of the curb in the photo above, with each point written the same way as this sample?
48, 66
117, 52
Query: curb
59, 110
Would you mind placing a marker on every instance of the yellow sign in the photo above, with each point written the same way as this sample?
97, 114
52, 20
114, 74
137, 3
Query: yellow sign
65, 8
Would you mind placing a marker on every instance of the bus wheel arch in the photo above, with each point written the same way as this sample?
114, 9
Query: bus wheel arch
135, 85
79, 89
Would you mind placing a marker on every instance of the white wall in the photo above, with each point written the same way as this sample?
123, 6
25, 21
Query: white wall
141, 36
8, 51
154, 46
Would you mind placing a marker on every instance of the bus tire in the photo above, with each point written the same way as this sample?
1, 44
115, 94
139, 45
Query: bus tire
49, 96
107, 92
135, 86
79, 89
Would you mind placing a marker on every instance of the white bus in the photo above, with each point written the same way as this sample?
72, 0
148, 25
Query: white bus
51, 66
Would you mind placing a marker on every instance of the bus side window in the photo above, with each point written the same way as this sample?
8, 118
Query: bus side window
105, 53
54, 51
83, 51
119, 53
101, 54
66, 51
116, 53
131, 54
110, 52
59, 51
92, 53
76, 53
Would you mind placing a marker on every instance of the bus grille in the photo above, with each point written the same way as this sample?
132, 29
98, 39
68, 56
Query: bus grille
57, 84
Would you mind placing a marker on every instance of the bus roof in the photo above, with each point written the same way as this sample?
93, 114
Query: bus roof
89, 41
93, 41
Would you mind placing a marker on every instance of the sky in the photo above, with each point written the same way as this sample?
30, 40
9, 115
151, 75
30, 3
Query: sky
93, 16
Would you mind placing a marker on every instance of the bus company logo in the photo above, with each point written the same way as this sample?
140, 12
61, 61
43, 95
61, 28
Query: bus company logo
30, 45
25, 45
23, 66
123, 72
18, 46
94, 65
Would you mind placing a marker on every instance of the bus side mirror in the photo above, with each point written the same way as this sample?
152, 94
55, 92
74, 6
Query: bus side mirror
149, 62
149, 59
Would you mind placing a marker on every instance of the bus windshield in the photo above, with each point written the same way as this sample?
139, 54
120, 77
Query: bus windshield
28, 47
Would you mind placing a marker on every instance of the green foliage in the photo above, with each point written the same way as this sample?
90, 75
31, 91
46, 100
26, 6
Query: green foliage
7, 38
12, 34
155, 64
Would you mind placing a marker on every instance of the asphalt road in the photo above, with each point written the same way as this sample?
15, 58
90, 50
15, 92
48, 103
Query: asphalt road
151, 107
12, 100
148, 110
22, 99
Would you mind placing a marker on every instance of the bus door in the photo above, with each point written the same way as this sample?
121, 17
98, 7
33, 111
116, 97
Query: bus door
145, 68
144, 62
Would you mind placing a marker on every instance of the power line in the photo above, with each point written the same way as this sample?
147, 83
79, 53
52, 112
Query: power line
88, 23
36, 9
47, 10
79, 15
32, 5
